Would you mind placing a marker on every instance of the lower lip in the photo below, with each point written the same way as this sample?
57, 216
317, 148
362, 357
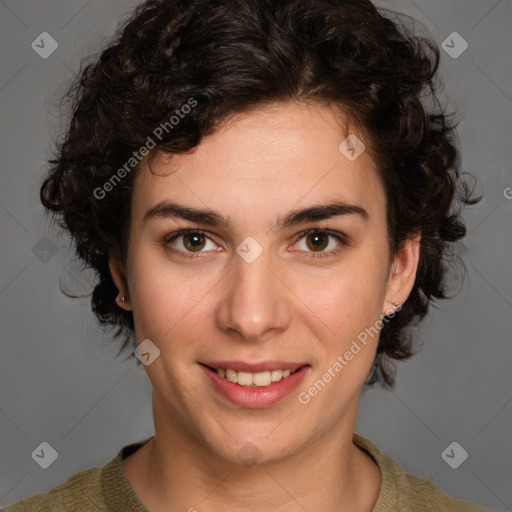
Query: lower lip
257, 396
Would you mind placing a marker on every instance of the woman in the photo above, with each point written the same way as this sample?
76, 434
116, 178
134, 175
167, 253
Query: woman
267, 203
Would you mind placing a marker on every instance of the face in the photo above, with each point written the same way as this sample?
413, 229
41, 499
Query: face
252, 285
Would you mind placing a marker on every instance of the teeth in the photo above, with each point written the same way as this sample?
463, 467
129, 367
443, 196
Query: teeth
254, 379
245, 379
276, 375
232, 376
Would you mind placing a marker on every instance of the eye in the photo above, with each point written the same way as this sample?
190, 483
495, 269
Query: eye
316, 241
190, 241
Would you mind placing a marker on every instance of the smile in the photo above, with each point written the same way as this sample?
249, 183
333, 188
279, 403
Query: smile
266, 386
253, 379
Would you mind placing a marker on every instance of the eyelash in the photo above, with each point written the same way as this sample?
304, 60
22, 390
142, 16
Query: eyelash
170, 238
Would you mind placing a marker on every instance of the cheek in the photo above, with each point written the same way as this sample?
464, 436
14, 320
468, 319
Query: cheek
350, 306
168, 304
153, 289
347, 298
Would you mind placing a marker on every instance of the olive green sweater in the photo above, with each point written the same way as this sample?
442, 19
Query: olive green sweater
106, 489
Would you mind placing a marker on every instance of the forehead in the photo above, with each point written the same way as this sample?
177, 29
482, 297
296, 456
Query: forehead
265, 162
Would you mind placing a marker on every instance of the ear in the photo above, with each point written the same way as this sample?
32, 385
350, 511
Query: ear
118, 276
402, 274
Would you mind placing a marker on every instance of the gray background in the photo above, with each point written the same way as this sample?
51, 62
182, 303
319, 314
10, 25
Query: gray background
59, 382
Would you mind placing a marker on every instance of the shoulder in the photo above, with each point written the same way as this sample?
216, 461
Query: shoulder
98, 489
424, 495
401, 491
80, 492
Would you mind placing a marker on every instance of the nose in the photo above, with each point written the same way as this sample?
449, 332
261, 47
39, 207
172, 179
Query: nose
256, 304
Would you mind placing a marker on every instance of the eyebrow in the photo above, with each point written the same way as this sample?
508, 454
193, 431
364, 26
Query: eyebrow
208, 217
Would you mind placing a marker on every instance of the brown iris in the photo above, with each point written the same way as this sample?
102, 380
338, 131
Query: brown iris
317, 243
195, 241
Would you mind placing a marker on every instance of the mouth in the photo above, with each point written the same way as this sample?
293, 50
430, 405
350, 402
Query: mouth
254, 379
266, 385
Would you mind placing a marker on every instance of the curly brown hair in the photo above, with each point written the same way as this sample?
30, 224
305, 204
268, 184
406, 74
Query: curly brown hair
231, 56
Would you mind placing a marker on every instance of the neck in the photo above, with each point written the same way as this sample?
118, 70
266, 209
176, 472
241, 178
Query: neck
329, 474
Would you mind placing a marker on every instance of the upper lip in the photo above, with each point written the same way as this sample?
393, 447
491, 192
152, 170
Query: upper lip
241, 366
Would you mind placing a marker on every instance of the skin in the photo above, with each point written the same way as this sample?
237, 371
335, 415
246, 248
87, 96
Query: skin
286, 305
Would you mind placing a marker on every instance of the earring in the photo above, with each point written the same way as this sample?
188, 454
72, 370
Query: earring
123, 298
396, 305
